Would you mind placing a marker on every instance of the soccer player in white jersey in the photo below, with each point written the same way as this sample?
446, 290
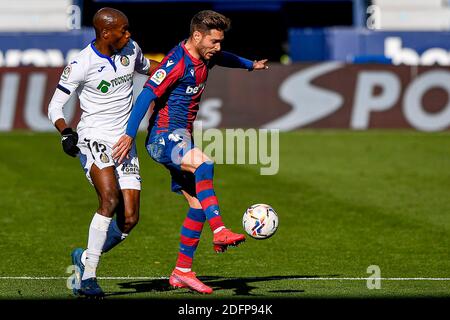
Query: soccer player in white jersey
102, 76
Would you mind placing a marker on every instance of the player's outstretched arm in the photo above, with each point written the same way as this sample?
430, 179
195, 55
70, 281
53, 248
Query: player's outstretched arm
260, 64
123, 146
230, 60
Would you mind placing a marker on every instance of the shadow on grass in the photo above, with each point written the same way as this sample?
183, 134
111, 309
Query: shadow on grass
240, 286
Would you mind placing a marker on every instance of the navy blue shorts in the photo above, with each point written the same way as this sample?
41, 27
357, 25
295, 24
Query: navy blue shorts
168, 149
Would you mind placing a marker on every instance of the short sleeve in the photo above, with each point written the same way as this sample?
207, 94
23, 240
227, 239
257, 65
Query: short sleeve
72, 76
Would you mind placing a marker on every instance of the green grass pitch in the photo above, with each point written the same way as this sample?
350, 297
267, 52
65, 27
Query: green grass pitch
346, 200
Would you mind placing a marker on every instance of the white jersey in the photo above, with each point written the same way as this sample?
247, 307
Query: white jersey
105, 88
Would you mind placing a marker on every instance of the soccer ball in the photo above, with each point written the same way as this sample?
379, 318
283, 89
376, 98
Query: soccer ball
260, 221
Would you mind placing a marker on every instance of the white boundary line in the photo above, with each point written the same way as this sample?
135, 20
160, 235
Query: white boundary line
256, 278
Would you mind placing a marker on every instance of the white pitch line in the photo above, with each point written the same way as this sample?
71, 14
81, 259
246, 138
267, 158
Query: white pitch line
256, 279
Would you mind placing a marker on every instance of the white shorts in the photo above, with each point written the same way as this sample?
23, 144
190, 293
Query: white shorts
98, 151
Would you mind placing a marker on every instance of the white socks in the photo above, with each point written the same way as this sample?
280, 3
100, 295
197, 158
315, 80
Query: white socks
97, 237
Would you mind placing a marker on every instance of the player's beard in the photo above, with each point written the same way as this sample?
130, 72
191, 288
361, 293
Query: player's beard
207, 54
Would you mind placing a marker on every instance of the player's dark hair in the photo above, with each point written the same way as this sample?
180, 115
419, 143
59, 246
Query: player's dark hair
207, 20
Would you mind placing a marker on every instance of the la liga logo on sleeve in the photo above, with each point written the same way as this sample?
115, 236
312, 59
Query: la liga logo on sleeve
158, 76
66, 72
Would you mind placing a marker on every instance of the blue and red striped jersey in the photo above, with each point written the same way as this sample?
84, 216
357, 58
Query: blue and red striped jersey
178, 84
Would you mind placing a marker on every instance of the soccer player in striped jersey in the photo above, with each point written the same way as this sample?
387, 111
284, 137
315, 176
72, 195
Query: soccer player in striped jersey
176, 87
102, 76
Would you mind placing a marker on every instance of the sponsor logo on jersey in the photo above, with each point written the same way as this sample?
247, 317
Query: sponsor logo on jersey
169, 63
158, 76
124, 61
130, 168
101, 69
192, 72
66, 72
122, 79
104, 86
194, 90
